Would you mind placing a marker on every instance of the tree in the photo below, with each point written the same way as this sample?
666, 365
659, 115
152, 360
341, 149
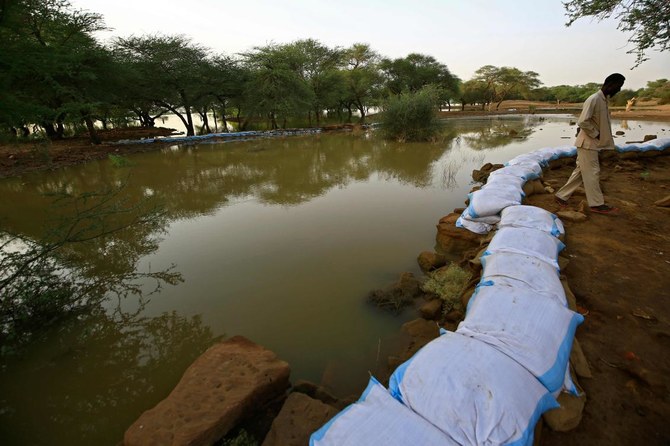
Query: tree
53, 69
501, 82
412, 116
169, 70
277, 88
648, 20
362, 77
659, 89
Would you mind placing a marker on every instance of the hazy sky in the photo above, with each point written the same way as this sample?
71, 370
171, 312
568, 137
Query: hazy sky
462, 34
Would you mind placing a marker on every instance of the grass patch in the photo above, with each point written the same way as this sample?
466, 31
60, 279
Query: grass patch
449, 284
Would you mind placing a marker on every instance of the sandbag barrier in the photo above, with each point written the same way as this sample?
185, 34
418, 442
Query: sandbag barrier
490, 381
226, 135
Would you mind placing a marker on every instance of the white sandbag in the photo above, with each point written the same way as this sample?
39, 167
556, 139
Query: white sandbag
378, 419
532, 157
532, 242
653, 144
527, 171
523, 216
534, 331
487, 202
509, 180
520, 270
471, 392
473, 225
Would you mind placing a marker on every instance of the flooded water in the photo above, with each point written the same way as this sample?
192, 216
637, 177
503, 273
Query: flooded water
279, 240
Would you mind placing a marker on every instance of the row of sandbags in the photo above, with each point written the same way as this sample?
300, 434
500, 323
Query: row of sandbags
490, 381
227, 135
504, 186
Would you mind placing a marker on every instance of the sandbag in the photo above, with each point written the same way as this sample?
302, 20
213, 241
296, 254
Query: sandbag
378, 419
523, 216
520, 270
490, 201
534, 331
470, 391
526, 241
654, 144
527, 171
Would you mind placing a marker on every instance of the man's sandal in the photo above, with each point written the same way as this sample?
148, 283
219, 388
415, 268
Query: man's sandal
604, 209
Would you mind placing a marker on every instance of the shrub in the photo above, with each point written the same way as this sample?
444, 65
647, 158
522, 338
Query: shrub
412, 116
449, 283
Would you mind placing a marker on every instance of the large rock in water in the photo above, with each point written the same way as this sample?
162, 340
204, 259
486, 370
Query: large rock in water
452, 241
299, 417
216, 391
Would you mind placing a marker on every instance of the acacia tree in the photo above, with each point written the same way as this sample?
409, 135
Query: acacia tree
501, 82
53, 70
276, 88
416, 71
362, 77
648, 20
169, 69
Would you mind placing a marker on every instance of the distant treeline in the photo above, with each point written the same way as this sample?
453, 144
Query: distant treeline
57, 77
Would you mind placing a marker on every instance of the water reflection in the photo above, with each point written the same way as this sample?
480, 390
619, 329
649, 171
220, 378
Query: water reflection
86, 380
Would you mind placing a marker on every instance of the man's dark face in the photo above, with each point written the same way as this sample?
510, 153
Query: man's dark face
612, 88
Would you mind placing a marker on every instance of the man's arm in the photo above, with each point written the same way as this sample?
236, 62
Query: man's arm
586, 122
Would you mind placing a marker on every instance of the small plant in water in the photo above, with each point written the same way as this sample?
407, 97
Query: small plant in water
119, 161
644, 175
449, 283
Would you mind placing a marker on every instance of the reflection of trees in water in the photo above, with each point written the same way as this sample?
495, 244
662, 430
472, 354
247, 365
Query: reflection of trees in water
495, 133
90, 378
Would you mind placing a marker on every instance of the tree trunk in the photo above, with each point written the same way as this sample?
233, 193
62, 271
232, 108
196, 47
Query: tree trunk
60, 128
50, 130
216, 124
317, 114
93, 133
361, 109
205, 121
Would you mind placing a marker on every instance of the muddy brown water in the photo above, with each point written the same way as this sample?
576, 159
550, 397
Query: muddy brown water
278, 240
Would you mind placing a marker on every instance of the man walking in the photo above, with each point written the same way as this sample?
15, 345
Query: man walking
593, 135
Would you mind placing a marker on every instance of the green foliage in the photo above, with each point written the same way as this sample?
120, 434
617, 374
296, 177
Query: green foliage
658, 89
449, 283
502, 82
411, 116
646, 19
46, 280
242, 438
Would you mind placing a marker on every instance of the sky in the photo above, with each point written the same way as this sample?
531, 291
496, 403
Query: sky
462, 34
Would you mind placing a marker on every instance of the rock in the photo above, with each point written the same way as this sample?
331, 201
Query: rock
298, 418
454, 316
533, 187
571, 216
397, 295
429, 260
569, 415
663, 202
316, 391
452, 241
620, 132
649, 138
549, 189
431, 310
578, 361
221, 387
563, 263
569, 295
420, 332
483, 173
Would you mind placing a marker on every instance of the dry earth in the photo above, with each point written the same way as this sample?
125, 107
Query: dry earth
619, 271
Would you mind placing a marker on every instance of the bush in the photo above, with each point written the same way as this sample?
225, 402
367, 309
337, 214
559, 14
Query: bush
449, 283
412, 116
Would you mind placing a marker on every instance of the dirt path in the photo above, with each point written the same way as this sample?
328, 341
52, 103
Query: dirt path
619, 271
